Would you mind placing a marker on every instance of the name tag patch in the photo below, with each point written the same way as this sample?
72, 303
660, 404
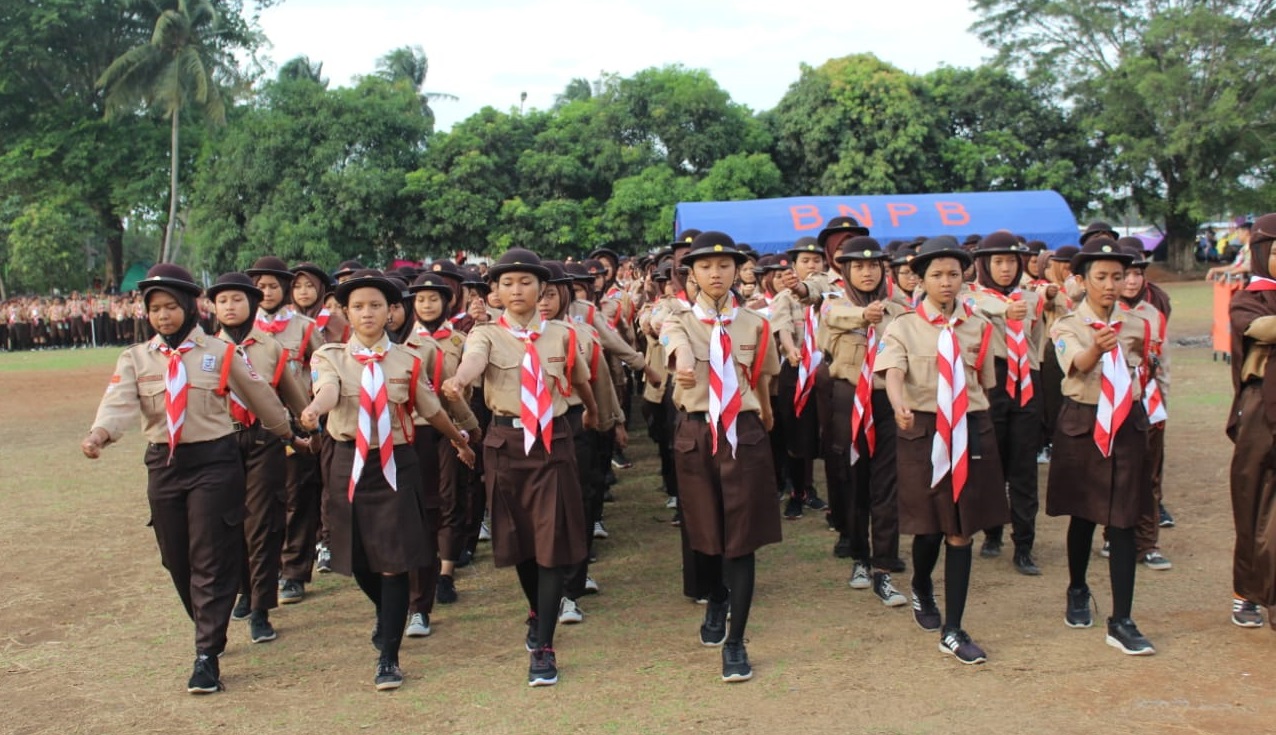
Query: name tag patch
208, 364
399, 381
748, 348
556, 359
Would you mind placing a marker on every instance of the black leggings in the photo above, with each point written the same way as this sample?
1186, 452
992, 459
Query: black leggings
1122, 561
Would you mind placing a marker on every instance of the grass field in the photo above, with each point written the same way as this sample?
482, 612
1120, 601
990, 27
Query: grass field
93, 638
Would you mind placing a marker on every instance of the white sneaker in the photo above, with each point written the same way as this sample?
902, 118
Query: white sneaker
1043, 457
569, 612
485, 533
860, 579
600, 531
418, 626
1106, 551
672, 502
591, 587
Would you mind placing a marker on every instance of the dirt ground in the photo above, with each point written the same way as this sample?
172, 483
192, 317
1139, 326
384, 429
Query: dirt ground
93, 638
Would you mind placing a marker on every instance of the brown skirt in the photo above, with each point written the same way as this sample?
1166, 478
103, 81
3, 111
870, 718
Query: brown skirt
534, 499
1253, 480
728, 503
391, 527
1110, 491
924, 509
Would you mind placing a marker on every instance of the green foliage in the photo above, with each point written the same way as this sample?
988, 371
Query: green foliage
48, 241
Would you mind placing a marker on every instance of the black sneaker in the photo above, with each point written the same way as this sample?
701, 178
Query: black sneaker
378, 641
735, 663
243, 608
793, 508
532, 641
991, 548
713, 631
1166, 520
813, 501
389, 675
886, 591
842, 549
446, 594
543, 671
926, 612
1077, 615
957, 644
292, 592
1246, 614
1123, 634
207, 678
259, 627
620, 461
466, 559
1025, 565
895, 565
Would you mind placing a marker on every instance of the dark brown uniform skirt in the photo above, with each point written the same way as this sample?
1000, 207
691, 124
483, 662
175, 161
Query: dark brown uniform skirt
924, 509
535, 500
1253, 478
388, 525
728, 503
1110, 491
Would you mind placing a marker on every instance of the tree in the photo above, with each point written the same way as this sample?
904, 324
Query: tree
578, 90
409, 65
1183, 93
302, 68
49, 241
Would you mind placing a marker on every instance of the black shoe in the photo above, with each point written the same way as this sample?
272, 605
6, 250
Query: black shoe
926, 613
446, 594
243, 608
378, 641
813, 501
956, 643
991, 548
291, 592
620, 461
735, 663
1078, 614
1166, 520
1124, 635
609, 479
842, 549
793, 509
207, 677
467, 558
389, 675
533, 640
713, 631
259, 627
895, 566
1025, 565
543, 671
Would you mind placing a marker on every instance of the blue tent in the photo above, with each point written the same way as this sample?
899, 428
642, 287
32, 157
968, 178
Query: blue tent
772, 225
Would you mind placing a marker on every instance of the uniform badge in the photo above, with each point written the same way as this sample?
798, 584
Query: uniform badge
1060, 346
881, 347
314, 375
664, 340
209, 363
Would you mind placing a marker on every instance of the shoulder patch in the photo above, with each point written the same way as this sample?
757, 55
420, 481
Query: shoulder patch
1060, 346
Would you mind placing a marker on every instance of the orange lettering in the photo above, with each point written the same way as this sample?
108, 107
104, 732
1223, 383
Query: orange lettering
900, 210
806, 217
861, 215
952, 213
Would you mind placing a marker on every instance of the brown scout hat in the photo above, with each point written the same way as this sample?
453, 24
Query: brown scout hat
347, 268
1000, 242
684, 239
1100, 248
167, 276
1098, 228
432, 282
943, 246
1065, 254
1263, 230
369, 278
269, 265
326, 281
1134, 246
805, 245
713, 243
862, 247
233, 282
518, 260
839, 225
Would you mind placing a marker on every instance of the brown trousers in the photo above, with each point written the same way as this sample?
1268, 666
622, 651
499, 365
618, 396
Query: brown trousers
197, 512
301, 523
430, 447
265, 475
1147, 535
454, 502
1253, 478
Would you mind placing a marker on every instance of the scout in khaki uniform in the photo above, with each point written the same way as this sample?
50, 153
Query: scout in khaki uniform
1096, 468
938, 371
618, 310
528, 368
369, 388
235, 300
903, 278
1054, 292
860, 438
178, 383
1015, 407
724, 360
650, 317
310, 290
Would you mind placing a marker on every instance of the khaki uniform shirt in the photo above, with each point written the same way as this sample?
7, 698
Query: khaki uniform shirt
1072, 335
992, 306
788, 314
263, 354
911, 344
843, 336
583, 312
435, 363
137, 387
618, 310
590, 351
1263, 331
503, 354
750, 336
335, 364
300, 328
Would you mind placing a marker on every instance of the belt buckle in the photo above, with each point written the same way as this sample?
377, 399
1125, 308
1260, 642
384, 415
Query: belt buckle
236, 426
517, 423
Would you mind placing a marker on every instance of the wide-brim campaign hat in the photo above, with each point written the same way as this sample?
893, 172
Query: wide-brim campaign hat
1262, 230
711, 243
1134, 246
325, 280
167, 276
943, 246
400, 283
1065, 254
904, 254
558, 274
861, 247
1033, 247
447, 269
234, 282
1098, 228
684, 239
474, 278
664, 272
518, 260
269, 265
432, 282
369, 278
805, 245
578, 272
839, 225
600, 253
998, 243
1100, 248
594, 268
764, 264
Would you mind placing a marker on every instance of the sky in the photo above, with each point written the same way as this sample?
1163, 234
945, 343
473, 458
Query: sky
487, 52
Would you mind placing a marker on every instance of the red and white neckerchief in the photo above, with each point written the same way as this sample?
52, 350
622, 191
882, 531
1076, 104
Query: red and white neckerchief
374, 411
1259, 283
1115, 393
862, 408
238, 409
537, 411
176, 390
724, 382
439, 335
1153, 401
948, 451
274, 323
1018, 370
457, 318
810, 360
321, 319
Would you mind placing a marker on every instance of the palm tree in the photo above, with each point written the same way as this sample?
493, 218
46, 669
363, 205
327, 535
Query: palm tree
409, 65
174, 70
302, 68
578, 89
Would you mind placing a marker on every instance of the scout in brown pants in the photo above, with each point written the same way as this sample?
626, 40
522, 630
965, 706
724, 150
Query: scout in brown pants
538, 518
235, 301
950, 484
369, 388
723, 360
178, 382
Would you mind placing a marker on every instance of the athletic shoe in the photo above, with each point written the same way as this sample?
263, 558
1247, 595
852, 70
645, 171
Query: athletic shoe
926, 612
991, 548
860, 579
1043, 457
466, 558
735, 663
485, 533
886, 591
1166, 520
243, 608
259, 628
1077, 614
677, 518
543, 671
389, 675
532, 641
813, 500
445, 590
292, 592
620, 461
207, 678
1246, 614
713, 631
600, 531
957, 644
323, 558
1154, 559
1025, 565
418, 626
569, 613
793, 509
378, 641
842, 549
1106, 551
671, 502
591, 587
1124, 635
